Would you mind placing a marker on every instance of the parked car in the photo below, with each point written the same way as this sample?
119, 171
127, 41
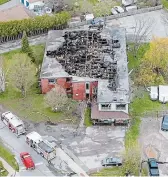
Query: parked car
27, 160
110, 161
153, 167
114, 12
131, 8
164, 125
119, 9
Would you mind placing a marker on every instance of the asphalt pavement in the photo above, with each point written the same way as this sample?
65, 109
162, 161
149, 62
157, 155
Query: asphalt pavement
18, 145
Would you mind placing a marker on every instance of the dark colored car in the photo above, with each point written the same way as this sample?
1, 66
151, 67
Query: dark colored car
111, 161
164, 125
153, 167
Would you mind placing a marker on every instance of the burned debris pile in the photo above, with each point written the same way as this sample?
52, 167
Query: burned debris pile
87, 53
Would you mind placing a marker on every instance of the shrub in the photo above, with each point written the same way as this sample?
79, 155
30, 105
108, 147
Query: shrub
16, 27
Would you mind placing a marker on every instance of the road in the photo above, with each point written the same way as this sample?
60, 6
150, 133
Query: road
17, 145
10, 4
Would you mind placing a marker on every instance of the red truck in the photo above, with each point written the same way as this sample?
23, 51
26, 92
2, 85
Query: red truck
27, 160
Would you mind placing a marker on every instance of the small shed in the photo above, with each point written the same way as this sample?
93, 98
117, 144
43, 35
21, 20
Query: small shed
153, 92
163, 93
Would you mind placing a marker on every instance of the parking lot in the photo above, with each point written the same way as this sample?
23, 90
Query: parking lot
152, 136
90, 145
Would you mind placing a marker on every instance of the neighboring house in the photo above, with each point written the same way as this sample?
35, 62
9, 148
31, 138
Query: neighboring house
14, 13
105, 83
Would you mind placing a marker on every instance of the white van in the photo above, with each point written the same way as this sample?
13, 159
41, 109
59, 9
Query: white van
153, 92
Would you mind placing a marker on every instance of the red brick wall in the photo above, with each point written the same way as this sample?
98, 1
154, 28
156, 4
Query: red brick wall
46, 87
78, 88
79, 91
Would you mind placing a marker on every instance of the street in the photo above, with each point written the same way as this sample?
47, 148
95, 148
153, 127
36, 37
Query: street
17, 145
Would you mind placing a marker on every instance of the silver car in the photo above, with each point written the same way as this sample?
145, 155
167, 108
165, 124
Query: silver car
110, 161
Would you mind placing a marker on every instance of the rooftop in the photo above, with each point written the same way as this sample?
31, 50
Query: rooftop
121, 94
96, 114
14, 13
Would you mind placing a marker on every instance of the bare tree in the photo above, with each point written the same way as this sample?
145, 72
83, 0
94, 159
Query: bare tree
22, 73
56, 98
142, 29
2, 76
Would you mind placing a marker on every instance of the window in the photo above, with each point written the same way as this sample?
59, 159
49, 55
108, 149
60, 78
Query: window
121, 107
105, 106
87, 86
51, 81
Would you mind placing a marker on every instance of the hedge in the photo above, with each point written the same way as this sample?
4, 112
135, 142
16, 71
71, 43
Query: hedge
16, 27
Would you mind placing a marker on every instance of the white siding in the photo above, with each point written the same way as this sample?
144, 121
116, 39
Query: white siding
113, 107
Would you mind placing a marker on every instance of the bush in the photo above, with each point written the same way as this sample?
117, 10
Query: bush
87, 120
13, 28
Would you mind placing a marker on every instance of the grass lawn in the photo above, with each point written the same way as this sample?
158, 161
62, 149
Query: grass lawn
134, 63
8, 156
3, 1
32, 107
3, 171
165, 3
87, 120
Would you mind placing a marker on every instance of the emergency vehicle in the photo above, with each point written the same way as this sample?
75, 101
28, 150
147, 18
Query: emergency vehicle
42, 147
15, 124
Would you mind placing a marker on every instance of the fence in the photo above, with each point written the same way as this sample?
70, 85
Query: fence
30, 34
155, 114
111, 17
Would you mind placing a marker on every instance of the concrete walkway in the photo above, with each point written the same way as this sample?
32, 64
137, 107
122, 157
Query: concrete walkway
11, 171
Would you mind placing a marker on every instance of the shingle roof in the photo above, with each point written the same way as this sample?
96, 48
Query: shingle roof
14, 13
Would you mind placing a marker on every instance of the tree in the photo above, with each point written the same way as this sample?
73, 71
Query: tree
132, 160
153, 68
141, 31
2, 76
22, 73
56, 98
25, 46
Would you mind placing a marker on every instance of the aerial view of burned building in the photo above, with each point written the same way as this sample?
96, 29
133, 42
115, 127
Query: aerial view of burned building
91, 65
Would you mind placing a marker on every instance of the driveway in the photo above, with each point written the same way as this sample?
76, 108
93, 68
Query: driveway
151, 135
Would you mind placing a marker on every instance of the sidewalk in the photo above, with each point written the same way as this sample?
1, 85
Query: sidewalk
11, 171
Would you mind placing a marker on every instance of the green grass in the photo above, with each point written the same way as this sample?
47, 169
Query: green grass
3, 171
140, 105
165, 3
33, 106
135, 62
9, 157
3, 1
87, 120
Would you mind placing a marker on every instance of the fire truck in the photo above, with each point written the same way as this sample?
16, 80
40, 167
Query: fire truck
42, 147
15, 124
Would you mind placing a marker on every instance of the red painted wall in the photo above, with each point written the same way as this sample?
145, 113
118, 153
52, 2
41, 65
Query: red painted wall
46, 86
78, 89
